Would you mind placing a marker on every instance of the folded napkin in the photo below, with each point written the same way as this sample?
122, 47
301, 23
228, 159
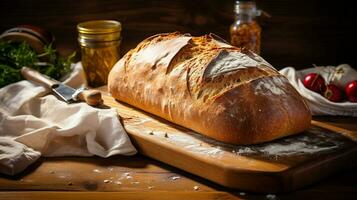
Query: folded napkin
34, 124
318, 104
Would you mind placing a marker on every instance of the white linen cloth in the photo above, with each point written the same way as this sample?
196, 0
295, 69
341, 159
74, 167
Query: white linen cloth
318, 104
34, 124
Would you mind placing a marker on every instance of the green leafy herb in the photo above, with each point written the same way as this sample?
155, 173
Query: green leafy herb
14, 56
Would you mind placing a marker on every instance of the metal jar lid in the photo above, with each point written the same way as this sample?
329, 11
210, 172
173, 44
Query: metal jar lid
246, 8
99, 31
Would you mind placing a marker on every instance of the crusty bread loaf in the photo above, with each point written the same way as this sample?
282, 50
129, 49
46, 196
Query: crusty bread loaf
206, 85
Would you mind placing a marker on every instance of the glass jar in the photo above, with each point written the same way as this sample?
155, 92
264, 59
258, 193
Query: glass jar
100, 42
245, 31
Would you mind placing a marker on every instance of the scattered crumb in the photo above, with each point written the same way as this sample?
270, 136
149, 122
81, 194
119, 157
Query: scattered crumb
107, 181
117, 182
271, 196
166, 135
97, 171
110, 169
175, 177
242, 194
127, 174
111, 178
151, 187
136, 182
52, 172
22, 180
196, 187
151, 133
70, 183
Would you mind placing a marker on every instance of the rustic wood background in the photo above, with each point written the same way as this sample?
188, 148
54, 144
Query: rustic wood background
298, 34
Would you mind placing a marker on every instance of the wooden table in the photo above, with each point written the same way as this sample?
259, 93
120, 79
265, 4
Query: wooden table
139, 177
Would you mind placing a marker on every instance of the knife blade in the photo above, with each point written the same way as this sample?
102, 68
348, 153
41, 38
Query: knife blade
64, 92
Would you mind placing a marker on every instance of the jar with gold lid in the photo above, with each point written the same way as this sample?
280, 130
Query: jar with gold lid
245, 31
100, 43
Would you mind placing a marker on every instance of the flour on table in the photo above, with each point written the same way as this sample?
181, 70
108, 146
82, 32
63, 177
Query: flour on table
107, 181
175, 177
97, 171
196, 187
316, 141
312, 142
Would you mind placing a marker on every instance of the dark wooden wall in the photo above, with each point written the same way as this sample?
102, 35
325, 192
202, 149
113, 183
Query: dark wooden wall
299, 33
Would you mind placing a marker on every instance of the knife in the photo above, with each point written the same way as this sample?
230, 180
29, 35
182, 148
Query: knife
66, 93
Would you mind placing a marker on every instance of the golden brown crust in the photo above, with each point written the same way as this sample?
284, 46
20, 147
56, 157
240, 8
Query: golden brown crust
220, 91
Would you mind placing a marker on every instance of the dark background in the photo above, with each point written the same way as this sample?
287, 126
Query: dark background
298, 34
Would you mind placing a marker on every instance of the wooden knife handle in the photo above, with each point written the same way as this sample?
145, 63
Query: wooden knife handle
91, 97
33, 75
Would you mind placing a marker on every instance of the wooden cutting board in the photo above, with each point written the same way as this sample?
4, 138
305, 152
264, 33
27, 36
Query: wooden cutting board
279, 166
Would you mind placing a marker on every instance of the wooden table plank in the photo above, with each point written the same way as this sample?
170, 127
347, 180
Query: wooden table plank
118, 173
116, 195
148, 172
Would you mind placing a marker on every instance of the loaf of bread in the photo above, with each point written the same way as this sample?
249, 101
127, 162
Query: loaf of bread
206, 85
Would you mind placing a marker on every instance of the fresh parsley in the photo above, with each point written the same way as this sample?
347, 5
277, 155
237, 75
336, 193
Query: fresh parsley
14, 56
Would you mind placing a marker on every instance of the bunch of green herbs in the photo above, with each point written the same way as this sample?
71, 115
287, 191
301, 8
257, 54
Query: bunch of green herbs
15, 55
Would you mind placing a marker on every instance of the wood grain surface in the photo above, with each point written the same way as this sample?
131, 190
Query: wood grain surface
298, 34
261, 168
119, 173
117, 195
72, 178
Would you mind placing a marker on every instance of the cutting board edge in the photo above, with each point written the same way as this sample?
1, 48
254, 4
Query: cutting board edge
314, 170
270, 181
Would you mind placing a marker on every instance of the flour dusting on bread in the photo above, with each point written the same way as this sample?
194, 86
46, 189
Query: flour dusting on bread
267, 86
228, 61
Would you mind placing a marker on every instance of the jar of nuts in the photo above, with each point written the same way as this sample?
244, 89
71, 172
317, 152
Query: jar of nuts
245, 31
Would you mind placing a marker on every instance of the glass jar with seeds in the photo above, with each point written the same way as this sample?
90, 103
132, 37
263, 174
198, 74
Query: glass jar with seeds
100, 42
